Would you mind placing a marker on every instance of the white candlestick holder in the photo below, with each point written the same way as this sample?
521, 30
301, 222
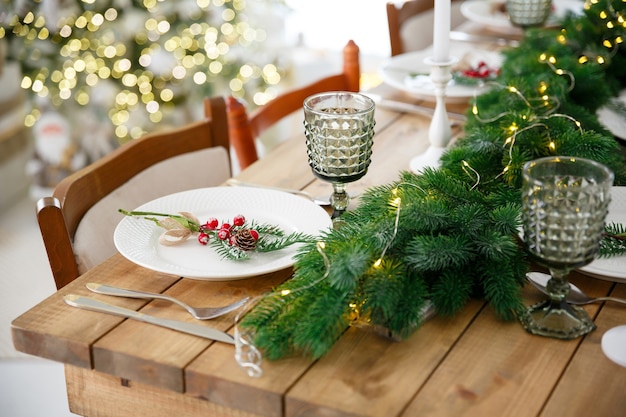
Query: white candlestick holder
439, 134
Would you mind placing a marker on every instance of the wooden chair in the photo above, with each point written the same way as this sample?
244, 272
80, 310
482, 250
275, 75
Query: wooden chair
244, 128
411, 24
78, 220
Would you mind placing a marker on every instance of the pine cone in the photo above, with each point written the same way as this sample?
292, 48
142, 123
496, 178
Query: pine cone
244, 240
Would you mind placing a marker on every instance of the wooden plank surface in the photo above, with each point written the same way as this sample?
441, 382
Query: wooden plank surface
158, 356
56, 331
592, 385
497, 368
216, 376
367, 375
95, 394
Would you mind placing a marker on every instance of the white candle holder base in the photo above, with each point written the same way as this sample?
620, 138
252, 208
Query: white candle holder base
439, 134
429, 159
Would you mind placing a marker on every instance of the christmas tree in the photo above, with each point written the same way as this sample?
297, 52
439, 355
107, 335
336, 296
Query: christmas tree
128, 66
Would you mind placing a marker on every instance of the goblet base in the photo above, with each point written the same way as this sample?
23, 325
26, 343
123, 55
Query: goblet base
559, 320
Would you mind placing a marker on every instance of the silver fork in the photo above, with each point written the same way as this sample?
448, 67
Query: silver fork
204, 313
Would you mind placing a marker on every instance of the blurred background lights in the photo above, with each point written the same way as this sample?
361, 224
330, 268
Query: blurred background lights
161, 54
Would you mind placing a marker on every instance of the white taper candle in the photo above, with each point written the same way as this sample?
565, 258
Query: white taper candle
441, 31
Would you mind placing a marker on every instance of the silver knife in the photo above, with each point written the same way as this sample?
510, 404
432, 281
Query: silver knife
181, 326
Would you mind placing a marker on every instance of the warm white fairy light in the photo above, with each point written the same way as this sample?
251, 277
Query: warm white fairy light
509, 88
466, 166
395, 202
513, 129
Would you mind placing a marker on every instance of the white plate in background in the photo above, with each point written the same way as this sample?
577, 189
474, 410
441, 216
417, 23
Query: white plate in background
490, 13
401, 72
613, 268
612, 119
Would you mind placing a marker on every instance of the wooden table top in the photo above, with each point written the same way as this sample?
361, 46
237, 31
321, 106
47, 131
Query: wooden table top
472, 364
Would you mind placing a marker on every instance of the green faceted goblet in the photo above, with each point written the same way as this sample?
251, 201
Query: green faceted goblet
339, 130
564, 203
528, 13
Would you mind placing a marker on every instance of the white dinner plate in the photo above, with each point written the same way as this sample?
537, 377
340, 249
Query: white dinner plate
137, 239
400, 72
613, 119
614, 344
613, 268
489, 13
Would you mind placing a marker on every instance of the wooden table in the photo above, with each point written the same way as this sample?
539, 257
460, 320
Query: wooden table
470, 365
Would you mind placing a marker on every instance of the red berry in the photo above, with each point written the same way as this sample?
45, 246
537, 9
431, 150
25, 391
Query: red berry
212, 223
203, 238
239, 220
223, 234
225, 226
254, 234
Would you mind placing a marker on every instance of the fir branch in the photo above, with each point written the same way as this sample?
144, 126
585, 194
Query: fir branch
381, 291
436, 253
613, 242
327, 317
451, 291
274, 242
345, 270
501, 284
407, 315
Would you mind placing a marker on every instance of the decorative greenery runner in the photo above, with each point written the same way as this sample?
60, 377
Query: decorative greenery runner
450, 234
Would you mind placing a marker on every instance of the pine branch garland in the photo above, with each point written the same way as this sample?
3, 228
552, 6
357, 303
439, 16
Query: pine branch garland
450, 234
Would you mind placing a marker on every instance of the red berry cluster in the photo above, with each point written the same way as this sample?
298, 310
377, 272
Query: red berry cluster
226, 231
481, 71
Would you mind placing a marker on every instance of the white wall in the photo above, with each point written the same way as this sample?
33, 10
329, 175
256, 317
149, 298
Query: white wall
329, 24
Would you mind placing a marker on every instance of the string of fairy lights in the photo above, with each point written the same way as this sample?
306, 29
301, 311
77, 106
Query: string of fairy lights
612, 20
153, 57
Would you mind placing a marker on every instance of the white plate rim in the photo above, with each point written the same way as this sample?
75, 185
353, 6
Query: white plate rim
614, 344
614, 268
392, 73
479, 11
137, 239
611, 119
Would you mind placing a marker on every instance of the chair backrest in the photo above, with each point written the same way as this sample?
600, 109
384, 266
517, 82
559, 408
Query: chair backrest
411, 24
77, 222
244, 128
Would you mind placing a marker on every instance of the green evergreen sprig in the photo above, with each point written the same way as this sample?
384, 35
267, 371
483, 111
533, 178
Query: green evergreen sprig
614, 240
269, 238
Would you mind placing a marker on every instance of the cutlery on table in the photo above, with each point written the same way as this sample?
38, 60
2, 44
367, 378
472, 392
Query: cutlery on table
575, 296
200, 313
181, 326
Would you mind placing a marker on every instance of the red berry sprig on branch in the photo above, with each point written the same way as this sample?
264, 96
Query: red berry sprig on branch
482, 70
235, 234
232, 240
